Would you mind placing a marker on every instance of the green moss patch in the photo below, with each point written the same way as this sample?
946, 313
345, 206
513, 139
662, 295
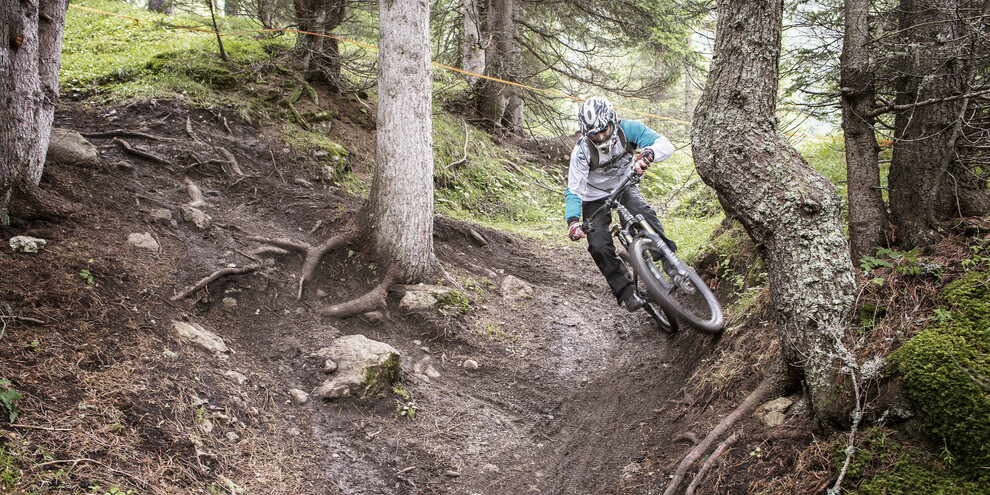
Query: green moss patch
881, 466
944, 370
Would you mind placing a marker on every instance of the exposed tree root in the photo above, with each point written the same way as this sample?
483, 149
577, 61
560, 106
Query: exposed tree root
141, 153
231, 161
195, 194
313, 254
189, 131
722, 447
223, 272
774, 383
121, 133
369, 301
32, 201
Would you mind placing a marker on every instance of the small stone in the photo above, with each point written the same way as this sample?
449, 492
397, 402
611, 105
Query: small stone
160, 215
237, 377
471, 364
320, 293
451, 473
374, 317
294, 432
233, 437
774, 418
196, 217
329, 366
143, 241
229, 302
298, 396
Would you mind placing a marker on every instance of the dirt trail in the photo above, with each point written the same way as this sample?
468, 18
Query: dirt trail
573, 394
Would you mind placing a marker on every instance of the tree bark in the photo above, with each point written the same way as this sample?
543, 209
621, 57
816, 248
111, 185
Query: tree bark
400, 205
319, 54
29, 63
499, 103
473, 50
231, 7
160, 6
867, 211
791, 211
927, 182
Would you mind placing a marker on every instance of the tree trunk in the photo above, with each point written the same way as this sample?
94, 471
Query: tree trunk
688, 85
400, 204
791, 211
927, 183
320, 55
473, 51
160, 6
29, 63
867, 212
499, 103
231, 7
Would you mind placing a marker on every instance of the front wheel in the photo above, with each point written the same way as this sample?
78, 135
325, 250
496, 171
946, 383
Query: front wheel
682, 293
666, 323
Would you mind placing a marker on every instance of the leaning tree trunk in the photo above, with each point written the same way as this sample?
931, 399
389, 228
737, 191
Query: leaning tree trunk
501, 104
320, 54
927, 182
29, 62
400, 205
791, 211
867, 211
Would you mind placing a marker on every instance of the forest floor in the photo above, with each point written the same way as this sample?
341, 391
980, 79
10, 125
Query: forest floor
571, 394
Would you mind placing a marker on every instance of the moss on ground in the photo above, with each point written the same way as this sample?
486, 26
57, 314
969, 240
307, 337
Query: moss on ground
882, 466
945, 370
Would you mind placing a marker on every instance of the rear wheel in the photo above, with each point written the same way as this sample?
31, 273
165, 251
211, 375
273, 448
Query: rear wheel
652, 308
682, 293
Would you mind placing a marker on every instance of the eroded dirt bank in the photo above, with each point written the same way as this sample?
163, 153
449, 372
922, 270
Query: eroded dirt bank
572, 394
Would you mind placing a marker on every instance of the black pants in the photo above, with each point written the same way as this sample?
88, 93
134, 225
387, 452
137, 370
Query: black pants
600, 243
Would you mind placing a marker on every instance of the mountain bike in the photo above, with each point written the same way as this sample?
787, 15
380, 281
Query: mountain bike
674, 291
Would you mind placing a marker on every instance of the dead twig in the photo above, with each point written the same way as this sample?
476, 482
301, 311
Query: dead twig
22, 318
223, 272
141, 153
46, 428
275, 167
722, 447
375, 298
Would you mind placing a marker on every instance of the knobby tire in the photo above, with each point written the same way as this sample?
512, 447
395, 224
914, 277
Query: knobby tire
709, 320
666, 322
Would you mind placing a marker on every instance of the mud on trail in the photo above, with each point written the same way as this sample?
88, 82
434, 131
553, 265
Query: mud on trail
572, 394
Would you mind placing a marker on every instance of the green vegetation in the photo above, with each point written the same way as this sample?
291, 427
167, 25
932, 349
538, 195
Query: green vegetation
7, 397
376, 378
881, 466
945, 370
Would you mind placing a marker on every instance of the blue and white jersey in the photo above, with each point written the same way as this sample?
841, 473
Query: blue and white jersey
585, 184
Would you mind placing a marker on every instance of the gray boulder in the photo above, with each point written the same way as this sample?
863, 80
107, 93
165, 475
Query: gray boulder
69, 147
364, 367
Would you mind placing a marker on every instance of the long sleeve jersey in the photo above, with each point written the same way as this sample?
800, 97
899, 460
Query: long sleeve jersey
585, 184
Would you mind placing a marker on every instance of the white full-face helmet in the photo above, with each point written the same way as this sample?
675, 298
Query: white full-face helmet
596, 115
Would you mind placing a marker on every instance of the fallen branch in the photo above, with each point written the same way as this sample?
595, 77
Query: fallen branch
373, 299
774, 383
141, 153
223, 272
312, 254
275, 167
722, 447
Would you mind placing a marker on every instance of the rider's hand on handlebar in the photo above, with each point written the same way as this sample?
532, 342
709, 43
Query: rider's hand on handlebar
574, 231
643, 160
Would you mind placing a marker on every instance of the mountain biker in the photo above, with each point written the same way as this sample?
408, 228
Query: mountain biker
601, 159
